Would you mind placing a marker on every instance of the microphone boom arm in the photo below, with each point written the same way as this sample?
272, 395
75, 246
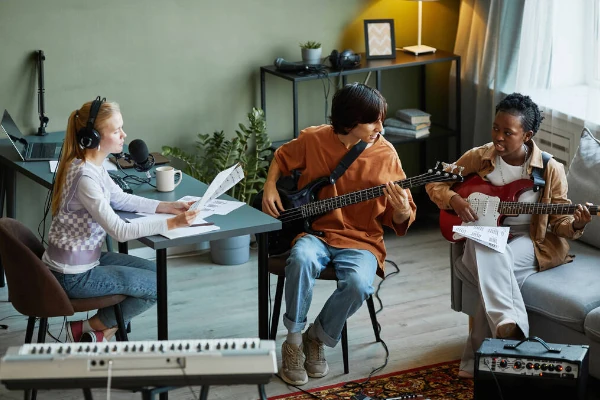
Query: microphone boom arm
41, 90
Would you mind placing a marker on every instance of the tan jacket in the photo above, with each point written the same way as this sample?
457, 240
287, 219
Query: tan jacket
547, 232
316, 152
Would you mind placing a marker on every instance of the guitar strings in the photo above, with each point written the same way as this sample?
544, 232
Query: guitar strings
319, 206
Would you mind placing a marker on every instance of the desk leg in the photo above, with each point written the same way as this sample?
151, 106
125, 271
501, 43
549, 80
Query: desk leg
295, 105
263, 285
378, 80
161, 289
2, 194
123, 248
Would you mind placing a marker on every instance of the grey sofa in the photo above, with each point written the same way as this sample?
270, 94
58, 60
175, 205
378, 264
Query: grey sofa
563, 303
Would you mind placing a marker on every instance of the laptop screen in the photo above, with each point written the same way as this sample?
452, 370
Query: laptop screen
14, 135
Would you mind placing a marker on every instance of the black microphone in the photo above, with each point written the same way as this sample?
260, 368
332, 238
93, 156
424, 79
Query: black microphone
142, 160
287, 66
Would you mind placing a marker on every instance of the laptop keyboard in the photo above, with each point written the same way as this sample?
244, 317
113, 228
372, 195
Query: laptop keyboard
42, 150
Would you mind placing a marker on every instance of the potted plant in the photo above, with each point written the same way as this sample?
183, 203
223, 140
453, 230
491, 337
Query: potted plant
311, 52
251, 147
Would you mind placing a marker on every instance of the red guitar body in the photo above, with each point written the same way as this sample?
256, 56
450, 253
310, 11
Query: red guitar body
472, 184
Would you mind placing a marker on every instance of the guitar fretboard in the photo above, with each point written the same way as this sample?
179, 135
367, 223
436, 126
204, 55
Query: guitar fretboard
512, 207
322, 206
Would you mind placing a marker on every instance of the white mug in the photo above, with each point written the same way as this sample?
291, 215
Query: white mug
165, 178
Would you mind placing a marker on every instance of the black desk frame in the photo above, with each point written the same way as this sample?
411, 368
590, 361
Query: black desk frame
402, 60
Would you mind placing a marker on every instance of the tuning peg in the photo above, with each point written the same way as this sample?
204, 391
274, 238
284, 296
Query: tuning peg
437, 165
460, 170
445, 166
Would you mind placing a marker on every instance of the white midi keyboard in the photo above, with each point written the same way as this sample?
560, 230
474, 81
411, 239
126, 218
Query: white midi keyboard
139, 363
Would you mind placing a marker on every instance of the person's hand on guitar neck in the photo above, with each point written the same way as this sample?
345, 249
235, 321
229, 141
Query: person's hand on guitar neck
582, 216
398, 199
463, 209
271, 201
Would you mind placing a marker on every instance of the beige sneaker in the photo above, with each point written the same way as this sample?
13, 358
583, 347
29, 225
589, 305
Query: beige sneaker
292, 364
316, 365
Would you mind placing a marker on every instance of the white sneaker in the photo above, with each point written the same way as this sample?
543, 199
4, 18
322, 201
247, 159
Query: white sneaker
316, 366
292, 364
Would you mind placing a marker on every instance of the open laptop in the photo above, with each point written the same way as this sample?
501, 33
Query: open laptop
28, 151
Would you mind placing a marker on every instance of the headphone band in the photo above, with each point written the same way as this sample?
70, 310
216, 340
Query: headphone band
94, 109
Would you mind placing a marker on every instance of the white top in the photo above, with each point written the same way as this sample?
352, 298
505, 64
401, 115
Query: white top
504, 174
73, 249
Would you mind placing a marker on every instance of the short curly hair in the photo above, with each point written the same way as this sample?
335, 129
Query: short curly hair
521, 105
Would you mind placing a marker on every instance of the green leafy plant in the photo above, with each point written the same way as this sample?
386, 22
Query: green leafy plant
310, 45
251, 147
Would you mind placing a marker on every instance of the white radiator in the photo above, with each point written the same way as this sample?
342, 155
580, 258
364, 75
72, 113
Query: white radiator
559, 135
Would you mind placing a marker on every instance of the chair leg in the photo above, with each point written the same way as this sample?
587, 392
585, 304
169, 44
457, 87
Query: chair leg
42, 328
277, 307
30, 328
345, 348
121, 329
371, 306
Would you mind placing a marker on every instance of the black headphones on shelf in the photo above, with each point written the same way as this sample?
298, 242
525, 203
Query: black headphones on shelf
345, 60
88, 137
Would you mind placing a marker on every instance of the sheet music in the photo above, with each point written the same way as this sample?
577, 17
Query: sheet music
494, 237
224, 181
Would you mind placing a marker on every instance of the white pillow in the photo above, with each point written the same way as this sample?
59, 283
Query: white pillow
584, 181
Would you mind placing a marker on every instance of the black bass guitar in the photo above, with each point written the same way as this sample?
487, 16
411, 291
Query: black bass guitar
302, 206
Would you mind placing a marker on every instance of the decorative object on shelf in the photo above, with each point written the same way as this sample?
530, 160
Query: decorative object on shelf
251, 147
380, 41
420, 48
413, 116
311, 52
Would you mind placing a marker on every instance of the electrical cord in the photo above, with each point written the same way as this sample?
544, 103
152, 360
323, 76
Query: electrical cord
133, 179
354, 385
487, 364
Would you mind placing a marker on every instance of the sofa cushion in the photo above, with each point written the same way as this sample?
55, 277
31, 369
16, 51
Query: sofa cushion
584, 182
566, 294
592, 325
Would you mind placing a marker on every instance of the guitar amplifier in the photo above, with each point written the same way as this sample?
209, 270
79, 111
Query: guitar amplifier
532, 368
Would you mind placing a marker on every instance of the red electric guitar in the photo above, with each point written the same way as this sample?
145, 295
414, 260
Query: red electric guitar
494, 203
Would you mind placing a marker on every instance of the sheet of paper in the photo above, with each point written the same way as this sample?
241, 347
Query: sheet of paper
494, 237
189, 231
109, 166
224, 181
154, 217
217, 206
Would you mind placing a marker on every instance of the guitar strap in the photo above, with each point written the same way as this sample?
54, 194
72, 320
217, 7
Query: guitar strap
347, 161
538, 173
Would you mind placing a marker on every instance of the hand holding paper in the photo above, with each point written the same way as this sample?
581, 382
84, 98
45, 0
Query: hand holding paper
224, 181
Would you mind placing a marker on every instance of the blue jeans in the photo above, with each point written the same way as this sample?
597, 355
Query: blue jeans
117, 273
355, 270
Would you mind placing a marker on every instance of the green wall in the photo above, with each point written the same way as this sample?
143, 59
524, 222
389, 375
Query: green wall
182, 67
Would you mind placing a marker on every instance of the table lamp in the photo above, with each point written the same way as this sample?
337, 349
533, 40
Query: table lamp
420, 48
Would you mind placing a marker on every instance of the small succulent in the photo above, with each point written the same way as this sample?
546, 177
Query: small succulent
310, 45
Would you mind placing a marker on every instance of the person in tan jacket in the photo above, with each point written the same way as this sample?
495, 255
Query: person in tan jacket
538, 242
353, 235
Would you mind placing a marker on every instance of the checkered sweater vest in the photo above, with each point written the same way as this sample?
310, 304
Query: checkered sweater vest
74, 237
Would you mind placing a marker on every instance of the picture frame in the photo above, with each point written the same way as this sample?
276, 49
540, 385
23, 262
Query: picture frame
380, 41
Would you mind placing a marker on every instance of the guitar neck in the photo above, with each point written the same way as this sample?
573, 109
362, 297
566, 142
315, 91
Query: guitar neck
513, 208
322, 206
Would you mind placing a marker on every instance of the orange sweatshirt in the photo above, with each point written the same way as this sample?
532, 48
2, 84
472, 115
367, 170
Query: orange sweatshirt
315, 153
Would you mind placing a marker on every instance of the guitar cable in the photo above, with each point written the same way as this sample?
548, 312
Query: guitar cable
354, 384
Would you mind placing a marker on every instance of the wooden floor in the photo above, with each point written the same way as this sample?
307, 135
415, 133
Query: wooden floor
211, 301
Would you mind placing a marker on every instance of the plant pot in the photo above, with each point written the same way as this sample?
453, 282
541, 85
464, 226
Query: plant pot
311, 56
230, 251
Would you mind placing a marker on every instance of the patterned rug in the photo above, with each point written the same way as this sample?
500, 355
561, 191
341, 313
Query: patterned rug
435, 382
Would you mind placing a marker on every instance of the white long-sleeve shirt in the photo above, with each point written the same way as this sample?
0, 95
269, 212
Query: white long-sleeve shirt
86, 214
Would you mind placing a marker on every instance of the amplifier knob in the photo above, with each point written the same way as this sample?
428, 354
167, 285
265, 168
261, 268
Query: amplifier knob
550, 367
568, 369
559, 368
503, 364
529, 365
536, 366
518, 365
544, 367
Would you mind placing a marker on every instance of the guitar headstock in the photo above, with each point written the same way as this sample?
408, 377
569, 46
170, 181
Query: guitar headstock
445, 172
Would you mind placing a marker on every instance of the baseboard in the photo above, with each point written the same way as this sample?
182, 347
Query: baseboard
148, 253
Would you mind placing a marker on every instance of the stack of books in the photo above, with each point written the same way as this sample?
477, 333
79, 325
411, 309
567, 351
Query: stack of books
409, 122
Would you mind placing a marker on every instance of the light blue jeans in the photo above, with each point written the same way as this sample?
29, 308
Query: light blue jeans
355, 270
117, 274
